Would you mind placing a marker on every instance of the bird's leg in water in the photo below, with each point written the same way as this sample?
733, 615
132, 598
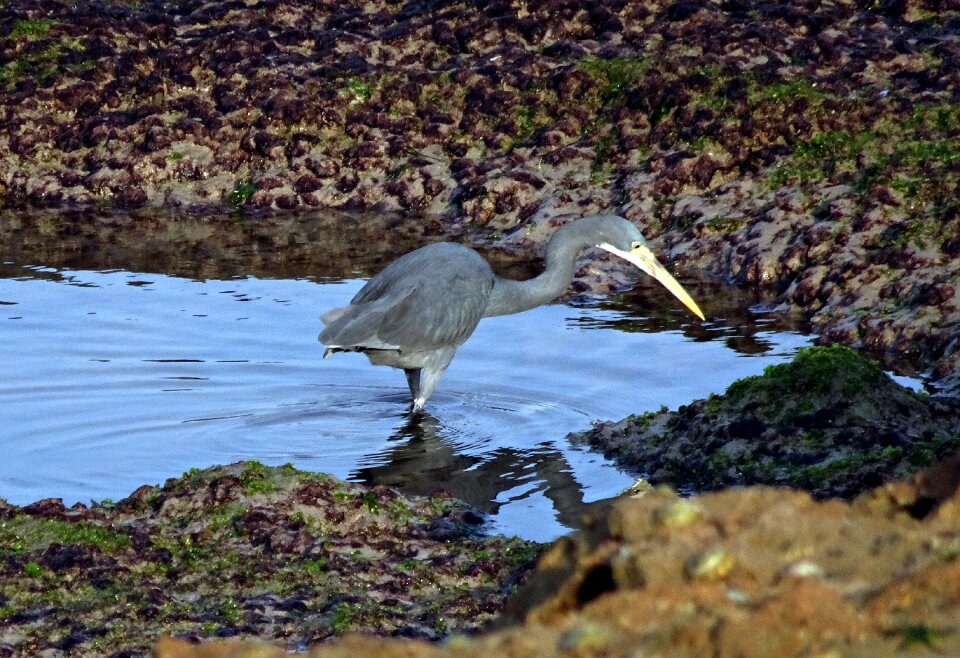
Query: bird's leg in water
431, 376
413, 381
422, 387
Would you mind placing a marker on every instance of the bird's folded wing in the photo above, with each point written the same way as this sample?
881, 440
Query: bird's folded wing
441, 313
426, 316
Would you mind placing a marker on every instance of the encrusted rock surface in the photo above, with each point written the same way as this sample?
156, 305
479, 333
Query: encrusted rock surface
808, 148
754, 572
830, 422
245, 550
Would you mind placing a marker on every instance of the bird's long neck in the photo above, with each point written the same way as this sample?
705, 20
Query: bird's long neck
510, 296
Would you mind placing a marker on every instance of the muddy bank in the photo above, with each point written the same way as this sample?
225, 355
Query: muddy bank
251, 551
807, 149
751, 572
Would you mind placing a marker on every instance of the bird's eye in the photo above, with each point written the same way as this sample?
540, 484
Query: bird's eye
635, 245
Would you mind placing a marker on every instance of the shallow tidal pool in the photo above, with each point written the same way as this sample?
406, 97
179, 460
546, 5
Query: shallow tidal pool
114, 377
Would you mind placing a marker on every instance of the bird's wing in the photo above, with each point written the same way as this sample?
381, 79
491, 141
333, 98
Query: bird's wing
358, 325
431, 298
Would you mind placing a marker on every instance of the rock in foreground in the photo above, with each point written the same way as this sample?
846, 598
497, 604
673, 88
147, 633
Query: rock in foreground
752, 572
830, 422
245, 550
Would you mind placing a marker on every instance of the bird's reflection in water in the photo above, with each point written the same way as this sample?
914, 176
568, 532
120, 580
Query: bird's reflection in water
422, 462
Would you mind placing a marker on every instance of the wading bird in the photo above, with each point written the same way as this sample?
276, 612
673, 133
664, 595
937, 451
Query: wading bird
416, 312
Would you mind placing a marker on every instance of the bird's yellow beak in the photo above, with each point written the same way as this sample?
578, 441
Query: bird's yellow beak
642, 257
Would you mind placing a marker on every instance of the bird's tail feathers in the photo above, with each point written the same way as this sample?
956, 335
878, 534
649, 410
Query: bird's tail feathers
333, 315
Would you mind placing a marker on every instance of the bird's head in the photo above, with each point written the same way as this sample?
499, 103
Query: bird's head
621, 238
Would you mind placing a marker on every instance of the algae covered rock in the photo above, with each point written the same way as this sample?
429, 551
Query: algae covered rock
830, 421
245, 550
750, 572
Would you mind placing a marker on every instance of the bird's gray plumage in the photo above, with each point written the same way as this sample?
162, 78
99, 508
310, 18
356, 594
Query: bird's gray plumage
416, 312
430, 297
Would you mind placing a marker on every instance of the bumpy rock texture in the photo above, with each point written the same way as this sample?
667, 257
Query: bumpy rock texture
245, 550
810, 148
829, 422
806, 149
751, 573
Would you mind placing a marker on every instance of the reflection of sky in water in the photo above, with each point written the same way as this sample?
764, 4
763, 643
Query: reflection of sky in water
114, 379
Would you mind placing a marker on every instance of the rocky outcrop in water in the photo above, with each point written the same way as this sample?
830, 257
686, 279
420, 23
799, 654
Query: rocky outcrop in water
830, 422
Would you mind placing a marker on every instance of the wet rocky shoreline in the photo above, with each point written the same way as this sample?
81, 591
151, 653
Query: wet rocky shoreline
246, 550
249, 560
829, 422
809, 151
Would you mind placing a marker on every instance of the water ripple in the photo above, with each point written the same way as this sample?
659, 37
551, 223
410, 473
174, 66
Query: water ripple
113, 379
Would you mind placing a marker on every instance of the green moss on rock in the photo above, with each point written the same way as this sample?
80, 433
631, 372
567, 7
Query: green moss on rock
817, 376
249, 550
830, 421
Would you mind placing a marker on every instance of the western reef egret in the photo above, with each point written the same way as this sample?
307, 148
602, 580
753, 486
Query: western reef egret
416, 312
